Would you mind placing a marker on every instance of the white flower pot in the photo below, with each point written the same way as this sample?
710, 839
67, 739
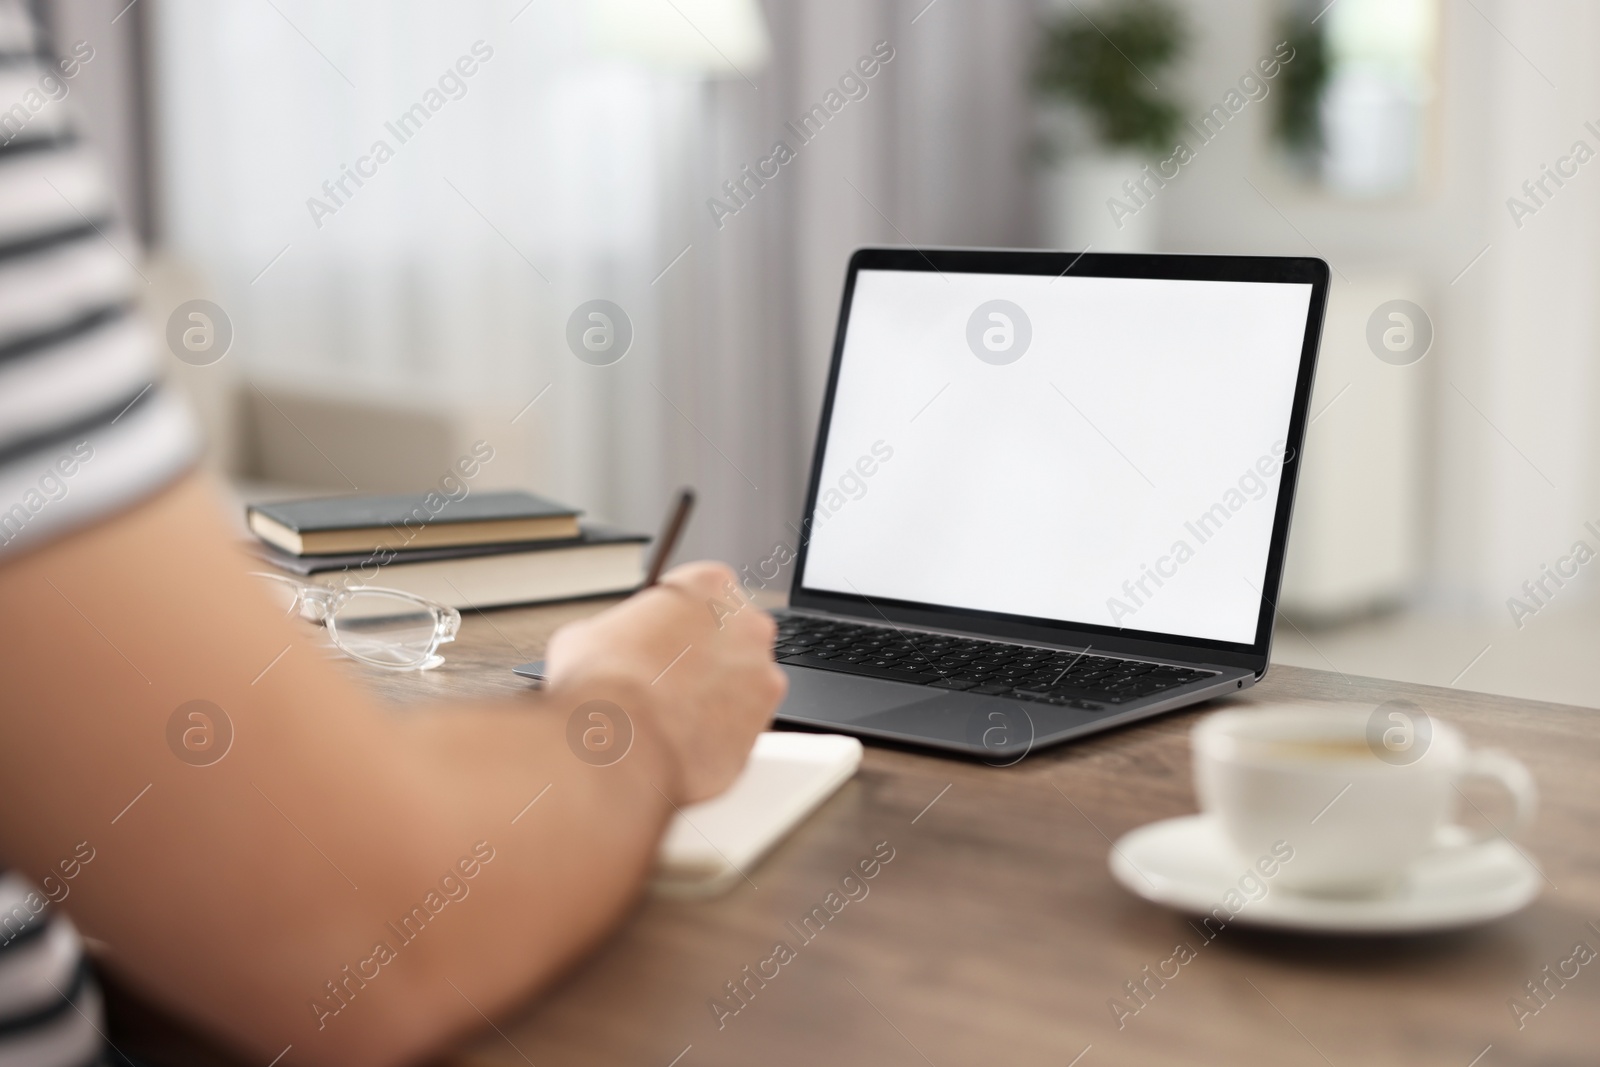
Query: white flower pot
1087, 204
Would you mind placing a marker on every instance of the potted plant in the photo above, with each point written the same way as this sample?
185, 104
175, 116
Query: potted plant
1297, 124
1106, 75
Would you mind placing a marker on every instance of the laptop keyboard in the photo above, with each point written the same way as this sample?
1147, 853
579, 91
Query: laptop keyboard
987, 668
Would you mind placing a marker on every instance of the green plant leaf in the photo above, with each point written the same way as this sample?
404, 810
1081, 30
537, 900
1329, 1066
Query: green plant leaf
1112, 64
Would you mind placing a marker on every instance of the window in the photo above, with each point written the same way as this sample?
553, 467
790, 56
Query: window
1357, 117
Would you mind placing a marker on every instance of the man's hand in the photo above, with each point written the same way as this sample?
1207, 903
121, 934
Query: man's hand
704, 681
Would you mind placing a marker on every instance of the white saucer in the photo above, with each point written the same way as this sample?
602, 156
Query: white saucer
1187, 864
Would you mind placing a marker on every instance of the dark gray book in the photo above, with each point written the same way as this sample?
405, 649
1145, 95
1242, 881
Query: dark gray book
331, 525
600, 560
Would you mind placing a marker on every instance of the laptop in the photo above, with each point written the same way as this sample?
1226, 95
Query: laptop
1051, 492
1050, 495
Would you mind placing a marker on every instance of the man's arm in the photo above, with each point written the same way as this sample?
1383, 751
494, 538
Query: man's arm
337, 841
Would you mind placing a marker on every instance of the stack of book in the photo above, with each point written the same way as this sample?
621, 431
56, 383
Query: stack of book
484, 550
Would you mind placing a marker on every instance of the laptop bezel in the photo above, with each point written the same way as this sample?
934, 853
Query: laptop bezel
1276, 269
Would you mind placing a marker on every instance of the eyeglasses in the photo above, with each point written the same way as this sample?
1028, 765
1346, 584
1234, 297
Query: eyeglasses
384, 627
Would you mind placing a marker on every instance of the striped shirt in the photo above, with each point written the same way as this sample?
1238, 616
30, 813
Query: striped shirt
85, 430
50, 1010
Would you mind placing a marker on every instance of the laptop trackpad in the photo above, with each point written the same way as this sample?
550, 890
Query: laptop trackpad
825, 696
990, 725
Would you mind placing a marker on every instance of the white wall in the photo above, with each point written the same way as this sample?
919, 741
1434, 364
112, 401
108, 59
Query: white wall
1516, 334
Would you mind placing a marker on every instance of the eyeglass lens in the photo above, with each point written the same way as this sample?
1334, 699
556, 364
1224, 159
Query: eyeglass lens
384, 628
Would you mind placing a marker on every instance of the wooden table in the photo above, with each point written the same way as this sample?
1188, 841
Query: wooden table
996, 934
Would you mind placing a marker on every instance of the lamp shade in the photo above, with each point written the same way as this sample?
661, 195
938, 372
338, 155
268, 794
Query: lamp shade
713, 37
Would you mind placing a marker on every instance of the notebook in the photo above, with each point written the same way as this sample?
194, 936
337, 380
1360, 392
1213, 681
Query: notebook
714, 845
409, 521
600, 561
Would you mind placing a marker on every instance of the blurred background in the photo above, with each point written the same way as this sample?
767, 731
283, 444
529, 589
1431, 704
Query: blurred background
397, 208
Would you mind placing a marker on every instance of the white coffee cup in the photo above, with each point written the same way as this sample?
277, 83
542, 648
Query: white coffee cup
1358, 794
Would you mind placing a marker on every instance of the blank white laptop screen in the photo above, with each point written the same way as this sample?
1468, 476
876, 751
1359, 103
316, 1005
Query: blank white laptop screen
1080, 449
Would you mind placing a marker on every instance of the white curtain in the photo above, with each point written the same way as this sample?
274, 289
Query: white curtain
550, 176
